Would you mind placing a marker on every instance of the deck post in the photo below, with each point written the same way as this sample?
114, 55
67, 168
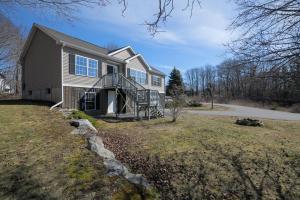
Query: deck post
148, 104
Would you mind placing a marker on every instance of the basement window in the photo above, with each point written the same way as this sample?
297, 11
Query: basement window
48, 90
90, 101
30, 92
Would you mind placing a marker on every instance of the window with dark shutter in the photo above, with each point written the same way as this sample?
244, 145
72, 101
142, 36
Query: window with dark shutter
128, 72
71, 63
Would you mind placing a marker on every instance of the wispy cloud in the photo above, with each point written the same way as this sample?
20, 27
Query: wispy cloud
207, 27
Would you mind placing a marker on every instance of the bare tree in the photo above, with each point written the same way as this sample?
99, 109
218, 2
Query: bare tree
67, 8
11, 43
269, 32
177, 103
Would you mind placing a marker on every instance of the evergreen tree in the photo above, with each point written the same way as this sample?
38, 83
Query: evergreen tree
175, 82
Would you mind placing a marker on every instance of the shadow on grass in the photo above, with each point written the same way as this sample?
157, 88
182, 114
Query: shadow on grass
25, 102
18, 184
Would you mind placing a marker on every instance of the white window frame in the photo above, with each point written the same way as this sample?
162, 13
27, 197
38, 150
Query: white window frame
95, 104
135, 78
152, 81
87, 66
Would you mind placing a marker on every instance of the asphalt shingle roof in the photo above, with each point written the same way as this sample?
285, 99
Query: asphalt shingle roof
59, 36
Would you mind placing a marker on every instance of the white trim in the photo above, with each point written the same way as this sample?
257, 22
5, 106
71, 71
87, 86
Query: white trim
131, 58
139, 70
145, 72
120, 50
143, 59
78, 85
95, 104
87, 66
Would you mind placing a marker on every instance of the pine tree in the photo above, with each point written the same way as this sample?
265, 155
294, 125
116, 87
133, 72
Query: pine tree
175, 82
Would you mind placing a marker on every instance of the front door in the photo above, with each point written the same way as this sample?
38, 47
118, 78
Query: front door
111, 102
112, 69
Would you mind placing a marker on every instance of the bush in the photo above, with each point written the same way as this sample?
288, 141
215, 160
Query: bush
249, 122
81, 115
274, 106
194, 103
295, 108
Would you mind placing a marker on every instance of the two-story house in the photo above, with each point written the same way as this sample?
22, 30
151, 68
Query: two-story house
76, 74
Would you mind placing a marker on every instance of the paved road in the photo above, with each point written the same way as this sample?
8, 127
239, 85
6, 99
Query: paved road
244, 111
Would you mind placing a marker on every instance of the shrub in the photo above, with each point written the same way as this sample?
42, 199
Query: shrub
295, 108
194, 103
81, 115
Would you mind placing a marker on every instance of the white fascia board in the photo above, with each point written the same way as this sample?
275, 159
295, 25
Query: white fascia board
138, 55
131, 58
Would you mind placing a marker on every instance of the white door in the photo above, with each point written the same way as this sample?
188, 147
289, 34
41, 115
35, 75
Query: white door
111, 102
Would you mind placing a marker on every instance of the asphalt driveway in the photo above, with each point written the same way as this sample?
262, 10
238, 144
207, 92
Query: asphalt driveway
244, 111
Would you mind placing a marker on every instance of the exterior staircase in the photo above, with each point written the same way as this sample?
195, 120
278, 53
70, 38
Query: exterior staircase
149, 101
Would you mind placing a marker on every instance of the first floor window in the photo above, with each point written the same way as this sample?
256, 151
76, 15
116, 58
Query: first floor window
156, 80
90, 101
86, 66
138, 76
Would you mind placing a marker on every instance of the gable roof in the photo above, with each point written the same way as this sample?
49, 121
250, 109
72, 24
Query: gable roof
156, 71
59, 36
69, 41
113, 52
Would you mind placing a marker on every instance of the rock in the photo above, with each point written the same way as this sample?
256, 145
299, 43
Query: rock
115, 167
95, 144
83, 124
249, 122
75, 124
137, 179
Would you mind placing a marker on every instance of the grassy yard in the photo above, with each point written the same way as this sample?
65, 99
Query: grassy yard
202, 157
40, 159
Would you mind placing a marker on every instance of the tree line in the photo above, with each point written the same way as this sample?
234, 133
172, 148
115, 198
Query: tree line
233, 79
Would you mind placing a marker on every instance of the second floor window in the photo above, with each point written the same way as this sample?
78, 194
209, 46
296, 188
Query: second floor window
138, 76
156, 81
86, 66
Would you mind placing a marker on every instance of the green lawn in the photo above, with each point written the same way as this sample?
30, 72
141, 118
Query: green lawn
202, 157
40, 159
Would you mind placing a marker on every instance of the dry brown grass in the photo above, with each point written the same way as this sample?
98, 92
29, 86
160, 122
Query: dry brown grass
40, 159
228, 161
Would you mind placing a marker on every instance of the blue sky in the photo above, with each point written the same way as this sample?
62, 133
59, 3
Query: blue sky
185, 43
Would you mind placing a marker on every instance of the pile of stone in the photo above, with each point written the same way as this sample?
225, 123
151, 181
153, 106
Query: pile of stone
249, 122
95, 144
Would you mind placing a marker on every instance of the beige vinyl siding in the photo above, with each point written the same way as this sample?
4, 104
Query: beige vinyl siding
124, 54
138, 64
42, 69
82, 81
160, 89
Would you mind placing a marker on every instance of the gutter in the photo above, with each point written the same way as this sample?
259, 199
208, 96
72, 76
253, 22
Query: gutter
62, 87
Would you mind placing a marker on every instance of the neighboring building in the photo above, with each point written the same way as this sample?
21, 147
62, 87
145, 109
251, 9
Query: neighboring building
73, 73
4, 87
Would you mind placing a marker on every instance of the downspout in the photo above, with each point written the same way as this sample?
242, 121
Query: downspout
62, 87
